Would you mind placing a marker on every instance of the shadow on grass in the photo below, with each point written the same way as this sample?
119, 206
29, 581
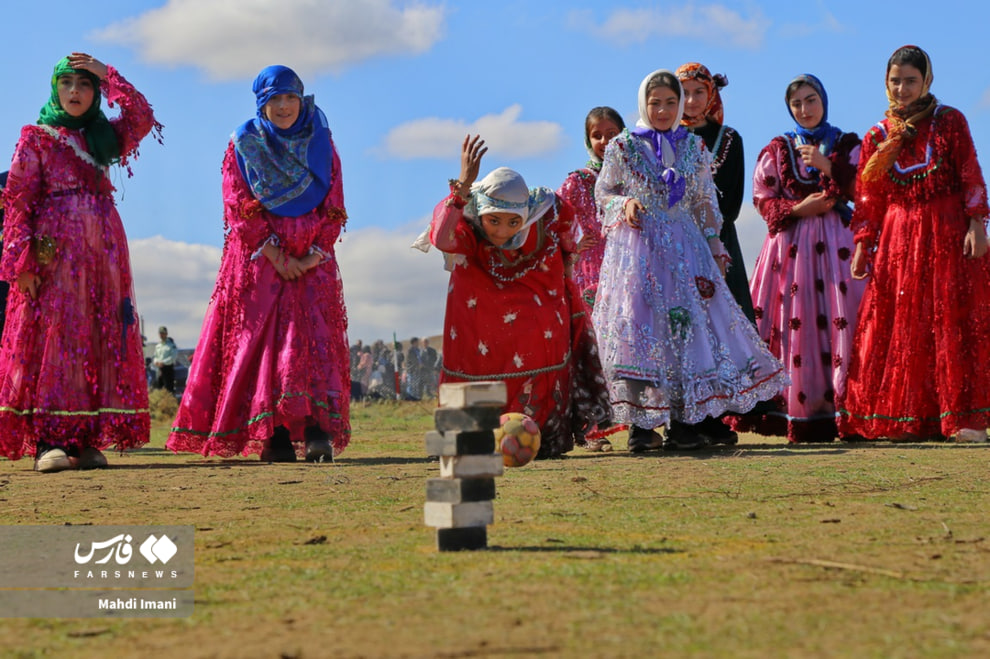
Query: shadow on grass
743, 451
386, 460
585, 552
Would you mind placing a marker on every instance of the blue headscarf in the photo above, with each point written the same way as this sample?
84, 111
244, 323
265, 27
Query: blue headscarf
288, 170
825, 134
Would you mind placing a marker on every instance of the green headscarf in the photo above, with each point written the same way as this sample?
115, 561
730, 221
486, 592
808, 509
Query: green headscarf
101, 141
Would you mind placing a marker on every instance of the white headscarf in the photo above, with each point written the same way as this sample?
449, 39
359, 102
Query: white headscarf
664, 141
504, 191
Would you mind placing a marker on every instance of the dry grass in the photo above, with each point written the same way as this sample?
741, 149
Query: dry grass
761, 550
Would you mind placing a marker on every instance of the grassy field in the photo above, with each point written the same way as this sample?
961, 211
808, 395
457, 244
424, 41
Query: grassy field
760, 550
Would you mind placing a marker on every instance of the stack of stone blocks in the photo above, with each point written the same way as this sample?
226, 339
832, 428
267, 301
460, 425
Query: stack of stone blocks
459, 503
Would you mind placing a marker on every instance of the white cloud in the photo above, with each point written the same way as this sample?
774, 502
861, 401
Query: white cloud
984, 102
230, 39
751, 229
388, 287
173, 282
713, 23
504, 134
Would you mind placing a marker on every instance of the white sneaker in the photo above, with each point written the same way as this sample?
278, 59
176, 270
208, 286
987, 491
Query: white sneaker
970, 436
92, 458
53, 460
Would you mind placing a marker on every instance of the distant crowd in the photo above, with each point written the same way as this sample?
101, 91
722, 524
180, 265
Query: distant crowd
379, 370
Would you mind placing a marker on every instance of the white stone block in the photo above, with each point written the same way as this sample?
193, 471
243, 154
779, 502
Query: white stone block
457, 515
471, 466
472, 394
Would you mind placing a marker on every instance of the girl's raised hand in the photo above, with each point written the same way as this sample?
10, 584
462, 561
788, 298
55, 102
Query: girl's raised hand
472, 151
88, 63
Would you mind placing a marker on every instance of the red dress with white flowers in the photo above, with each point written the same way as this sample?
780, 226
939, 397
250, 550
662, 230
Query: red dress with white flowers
921, 347
512, 315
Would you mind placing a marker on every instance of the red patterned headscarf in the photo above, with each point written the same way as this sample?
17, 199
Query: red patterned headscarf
699, 72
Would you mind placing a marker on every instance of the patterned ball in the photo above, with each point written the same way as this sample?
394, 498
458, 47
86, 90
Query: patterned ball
518, 439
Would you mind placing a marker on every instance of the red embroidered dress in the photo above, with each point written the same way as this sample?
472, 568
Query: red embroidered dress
71, 362
513, 316
921, 346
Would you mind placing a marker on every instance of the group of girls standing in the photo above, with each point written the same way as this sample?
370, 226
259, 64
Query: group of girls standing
620, 300
878, 311
862, 319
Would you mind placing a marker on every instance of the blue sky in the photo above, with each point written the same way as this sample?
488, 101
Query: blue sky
402, 82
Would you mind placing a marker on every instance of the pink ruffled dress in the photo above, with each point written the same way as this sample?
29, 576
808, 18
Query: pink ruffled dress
272, 352
71, 363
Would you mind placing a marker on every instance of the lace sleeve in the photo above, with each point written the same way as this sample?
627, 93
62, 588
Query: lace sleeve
243, 213
702, 192
610, 194
768, 192
870, 201
332, 209
449, 231
974, 188
136, 118
21, 196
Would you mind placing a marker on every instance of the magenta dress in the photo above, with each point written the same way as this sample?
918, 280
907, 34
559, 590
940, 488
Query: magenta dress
71, 362
578, 189
272, 352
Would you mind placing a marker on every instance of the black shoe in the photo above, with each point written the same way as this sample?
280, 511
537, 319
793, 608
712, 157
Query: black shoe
318, 447
683, 437
716, 432
278, 448
644, 439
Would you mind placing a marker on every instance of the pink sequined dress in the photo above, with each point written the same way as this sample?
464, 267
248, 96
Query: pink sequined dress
272, 352
71, 363
578, 189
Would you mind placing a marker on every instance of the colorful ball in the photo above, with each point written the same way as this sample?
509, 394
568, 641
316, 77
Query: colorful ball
517, 439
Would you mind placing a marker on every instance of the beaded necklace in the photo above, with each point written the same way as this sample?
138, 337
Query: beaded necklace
499, 264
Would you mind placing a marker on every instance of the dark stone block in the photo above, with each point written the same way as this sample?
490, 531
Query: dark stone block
467, 418
473, 537
460, 490
456, 442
